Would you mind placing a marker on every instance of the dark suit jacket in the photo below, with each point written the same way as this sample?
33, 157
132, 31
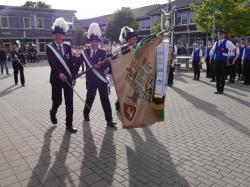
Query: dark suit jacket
100, 56
57, 67
17, 56
125, 49
3, 55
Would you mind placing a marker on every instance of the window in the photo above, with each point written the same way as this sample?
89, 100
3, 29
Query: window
27, 22
4, 22
42, 47
145, 24
182, 18
40, 23
155, 19
191, 17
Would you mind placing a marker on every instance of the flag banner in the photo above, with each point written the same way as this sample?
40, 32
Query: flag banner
141, 97
162, 69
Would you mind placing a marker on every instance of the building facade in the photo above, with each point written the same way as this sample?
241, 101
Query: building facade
185, 31
31, 25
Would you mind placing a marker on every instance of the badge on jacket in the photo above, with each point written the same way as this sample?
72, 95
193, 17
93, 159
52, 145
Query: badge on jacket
67, 56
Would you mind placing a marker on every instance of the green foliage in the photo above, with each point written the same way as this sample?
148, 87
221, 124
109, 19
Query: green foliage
79, 37
230, 15
119, 19
33, 4
156, 27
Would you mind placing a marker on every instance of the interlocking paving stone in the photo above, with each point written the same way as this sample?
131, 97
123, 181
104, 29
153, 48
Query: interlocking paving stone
204, 141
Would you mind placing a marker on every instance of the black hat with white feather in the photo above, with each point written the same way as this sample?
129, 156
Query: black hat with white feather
94, 32
60, 26
126, 34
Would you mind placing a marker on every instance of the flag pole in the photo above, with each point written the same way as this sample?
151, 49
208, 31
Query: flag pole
119, 53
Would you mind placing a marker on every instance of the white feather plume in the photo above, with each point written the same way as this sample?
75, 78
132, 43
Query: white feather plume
94, 29
123, 33
61, 23
18, 43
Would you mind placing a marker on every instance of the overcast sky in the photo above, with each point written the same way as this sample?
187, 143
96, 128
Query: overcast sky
90, 8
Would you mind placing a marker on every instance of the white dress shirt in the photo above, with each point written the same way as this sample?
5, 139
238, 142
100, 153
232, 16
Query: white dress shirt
62, 49
244, 52
229, 46
92, 52
200, 54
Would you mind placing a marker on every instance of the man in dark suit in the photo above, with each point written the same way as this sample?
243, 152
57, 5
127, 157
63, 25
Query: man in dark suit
128, 38
62, 76
95, 78
18, 62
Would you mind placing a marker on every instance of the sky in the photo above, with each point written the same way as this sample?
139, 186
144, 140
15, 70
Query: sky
92, 8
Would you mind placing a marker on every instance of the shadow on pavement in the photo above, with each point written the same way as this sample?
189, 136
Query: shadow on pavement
9, 90
212, 110
104, 164
59, 167
150, 163
5, 77
228, 86
41, 168
243, 102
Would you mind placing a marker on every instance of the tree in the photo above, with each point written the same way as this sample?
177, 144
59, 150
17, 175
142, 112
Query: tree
230, 15
80, 36
156, 27
119, 19
32, 4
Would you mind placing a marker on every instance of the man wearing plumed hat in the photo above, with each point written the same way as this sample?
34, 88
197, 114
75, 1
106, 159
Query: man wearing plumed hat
62, 76
128, 39
18, 62
95, 75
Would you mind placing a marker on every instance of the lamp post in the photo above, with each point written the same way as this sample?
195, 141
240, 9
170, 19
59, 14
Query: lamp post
214, 28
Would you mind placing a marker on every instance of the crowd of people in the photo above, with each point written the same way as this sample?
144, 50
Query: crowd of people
29, 54
224, 59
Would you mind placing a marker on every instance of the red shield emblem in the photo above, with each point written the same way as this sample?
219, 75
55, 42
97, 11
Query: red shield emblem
129, 111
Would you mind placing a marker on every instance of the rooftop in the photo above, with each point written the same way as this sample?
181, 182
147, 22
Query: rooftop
141, 12
7, 7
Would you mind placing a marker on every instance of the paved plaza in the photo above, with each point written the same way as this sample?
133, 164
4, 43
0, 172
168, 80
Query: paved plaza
204, 141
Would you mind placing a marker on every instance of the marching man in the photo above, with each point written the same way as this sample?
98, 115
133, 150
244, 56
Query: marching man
95, 75
220, 52
128, 38
62, 76
246, 62
196, 56
18, 62
238, 59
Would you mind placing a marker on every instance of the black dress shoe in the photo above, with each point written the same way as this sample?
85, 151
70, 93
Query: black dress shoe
23, 85
71, 129
86, 118
212, 80
53, 118
117, 106
217, 92
111, 124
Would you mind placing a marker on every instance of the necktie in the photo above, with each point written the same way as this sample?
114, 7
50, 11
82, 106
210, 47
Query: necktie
60, 49
94, 53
